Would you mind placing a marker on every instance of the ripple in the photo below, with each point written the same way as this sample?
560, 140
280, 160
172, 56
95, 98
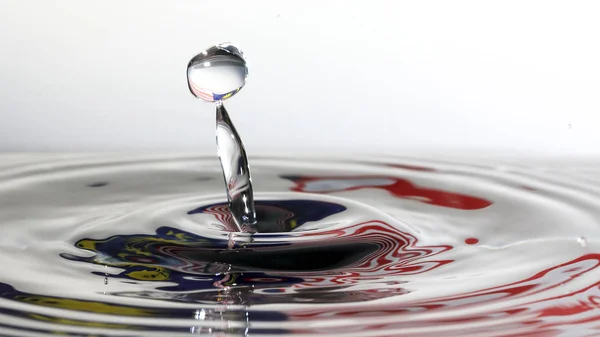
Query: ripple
121, 246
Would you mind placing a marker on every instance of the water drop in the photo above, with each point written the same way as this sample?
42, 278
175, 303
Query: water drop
217, 73
582, 241
214, 75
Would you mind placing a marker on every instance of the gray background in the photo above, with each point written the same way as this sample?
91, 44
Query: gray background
383, 76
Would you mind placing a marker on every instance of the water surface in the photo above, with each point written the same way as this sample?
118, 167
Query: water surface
105, 245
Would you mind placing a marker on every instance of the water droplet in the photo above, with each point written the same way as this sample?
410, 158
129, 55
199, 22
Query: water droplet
217, 73
105, 280
214, 75
582, 241
278, 16
570, 126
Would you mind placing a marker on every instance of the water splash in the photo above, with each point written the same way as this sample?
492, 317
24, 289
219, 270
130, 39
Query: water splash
236, 171
213, 76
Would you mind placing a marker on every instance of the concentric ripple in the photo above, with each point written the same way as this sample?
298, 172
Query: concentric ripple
144, 246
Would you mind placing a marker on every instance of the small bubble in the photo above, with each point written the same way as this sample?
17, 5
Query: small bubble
582, 241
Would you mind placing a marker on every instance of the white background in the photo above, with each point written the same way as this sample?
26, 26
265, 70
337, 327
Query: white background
371, 76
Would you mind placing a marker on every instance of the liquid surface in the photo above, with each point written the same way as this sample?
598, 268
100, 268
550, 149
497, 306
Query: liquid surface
144, 246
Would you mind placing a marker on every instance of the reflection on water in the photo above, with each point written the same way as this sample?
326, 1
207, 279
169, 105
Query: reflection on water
105, 246
317, 267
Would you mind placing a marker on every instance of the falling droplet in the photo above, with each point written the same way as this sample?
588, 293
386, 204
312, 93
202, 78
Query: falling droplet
217, 73
105, 280
213, 76
582, 241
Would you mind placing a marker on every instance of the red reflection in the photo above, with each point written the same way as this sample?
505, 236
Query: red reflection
400, 188
562, 305
398, 255
471, 241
